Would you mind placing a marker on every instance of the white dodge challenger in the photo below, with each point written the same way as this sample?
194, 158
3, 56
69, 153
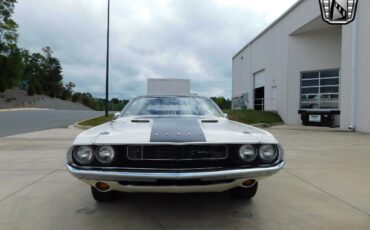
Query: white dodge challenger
173, 144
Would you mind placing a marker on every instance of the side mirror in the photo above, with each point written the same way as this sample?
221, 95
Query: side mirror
225, 114
116, 115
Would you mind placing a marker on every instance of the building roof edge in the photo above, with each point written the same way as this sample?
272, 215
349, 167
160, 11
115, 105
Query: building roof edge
270, 26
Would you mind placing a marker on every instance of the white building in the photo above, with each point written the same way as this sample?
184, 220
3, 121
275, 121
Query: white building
301, 63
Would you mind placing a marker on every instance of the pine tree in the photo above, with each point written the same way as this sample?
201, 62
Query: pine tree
2, 85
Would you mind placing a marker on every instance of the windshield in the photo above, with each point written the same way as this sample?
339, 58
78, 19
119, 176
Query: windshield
195, 106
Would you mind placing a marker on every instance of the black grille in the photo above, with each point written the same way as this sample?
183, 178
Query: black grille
177, 157
180, 152
191, 182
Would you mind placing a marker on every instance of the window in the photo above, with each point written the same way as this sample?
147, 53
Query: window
172, 106
320, 89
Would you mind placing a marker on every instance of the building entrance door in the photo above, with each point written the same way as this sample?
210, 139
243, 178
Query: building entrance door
259, 90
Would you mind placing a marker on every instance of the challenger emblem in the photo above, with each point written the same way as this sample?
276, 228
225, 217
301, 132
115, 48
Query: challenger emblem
338, 12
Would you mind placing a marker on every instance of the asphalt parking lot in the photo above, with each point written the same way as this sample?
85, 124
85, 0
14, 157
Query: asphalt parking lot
325, 185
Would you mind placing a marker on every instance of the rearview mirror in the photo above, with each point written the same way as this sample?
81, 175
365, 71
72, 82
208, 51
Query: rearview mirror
225, 114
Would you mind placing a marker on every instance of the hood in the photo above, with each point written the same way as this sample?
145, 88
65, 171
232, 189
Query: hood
173, 130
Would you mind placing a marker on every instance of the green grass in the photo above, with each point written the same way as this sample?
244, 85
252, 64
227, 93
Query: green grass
253, 116
97, 120
243, 116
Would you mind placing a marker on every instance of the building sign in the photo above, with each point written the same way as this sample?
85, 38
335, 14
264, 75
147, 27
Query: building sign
338, 11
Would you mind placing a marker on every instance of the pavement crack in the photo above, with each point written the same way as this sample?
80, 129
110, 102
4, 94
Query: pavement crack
32, 183
328, 193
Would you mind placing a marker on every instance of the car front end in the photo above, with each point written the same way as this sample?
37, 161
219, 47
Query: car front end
203, 168
174, 154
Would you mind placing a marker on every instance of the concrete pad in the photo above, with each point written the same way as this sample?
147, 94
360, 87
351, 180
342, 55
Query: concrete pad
309, 128
336, 162
27, 157
41, 194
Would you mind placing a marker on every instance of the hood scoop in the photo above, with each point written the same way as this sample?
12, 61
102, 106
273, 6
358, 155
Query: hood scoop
139, 121
209, 121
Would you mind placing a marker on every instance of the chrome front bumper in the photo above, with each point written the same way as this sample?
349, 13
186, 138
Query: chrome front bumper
103, 175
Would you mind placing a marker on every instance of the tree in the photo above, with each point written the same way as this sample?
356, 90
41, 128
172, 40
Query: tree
67, 91
33, 65
52, 78
8, 28
69, 86
38, 88
222, 102
31, 90
99, 102
116, 105
76, 97
12, 68
88, 100
2, 85
115, 100
10, 59
41, 71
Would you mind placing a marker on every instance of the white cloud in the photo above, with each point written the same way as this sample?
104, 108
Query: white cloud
193, 39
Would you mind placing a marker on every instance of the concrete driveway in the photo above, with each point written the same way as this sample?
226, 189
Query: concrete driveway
325, 185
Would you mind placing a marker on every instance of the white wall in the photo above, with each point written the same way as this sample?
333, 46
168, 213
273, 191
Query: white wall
363, 71
168, 86
314, 50
241, 80
283, 51
269, 52
300, 41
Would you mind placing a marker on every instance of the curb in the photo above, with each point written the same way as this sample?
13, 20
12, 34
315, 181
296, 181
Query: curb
266, 125
311, 128
84, 127
22, 109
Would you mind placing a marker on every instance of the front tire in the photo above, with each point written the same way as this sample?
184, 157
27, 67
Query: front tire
103, 196
244, 193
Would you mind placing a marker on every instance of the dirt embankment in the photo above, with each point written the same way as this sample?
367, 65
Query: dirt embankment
15, 98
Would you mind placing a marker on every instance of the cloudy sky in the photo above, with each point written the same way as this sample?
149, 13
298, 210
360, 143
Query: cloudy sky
193, 39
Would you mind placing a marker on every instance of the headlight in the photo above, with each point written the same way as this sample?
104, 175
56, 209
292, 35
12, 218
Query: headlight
267, 153
105, 154
247, 153
84, 154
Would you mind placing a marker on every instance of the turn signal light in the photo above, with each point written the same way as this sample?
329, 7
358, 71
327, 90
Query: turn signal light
102, 186
249, 182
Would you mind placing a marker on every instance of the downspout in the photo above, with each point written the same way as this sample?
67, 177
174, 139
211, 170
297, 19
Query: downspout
251, 77
352, 125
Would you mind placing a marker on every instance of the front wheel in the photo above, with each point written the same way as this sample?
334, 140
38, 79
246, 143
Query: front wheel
245, 193
103, 196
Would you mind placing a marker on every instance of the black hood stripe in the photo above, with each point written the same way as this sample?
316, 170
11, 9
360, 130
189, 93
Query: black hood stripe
176, 130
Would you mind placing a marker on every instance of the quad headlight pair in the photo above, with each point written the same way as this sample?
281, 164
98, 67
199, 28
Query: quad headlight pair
266, 153
85, 154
